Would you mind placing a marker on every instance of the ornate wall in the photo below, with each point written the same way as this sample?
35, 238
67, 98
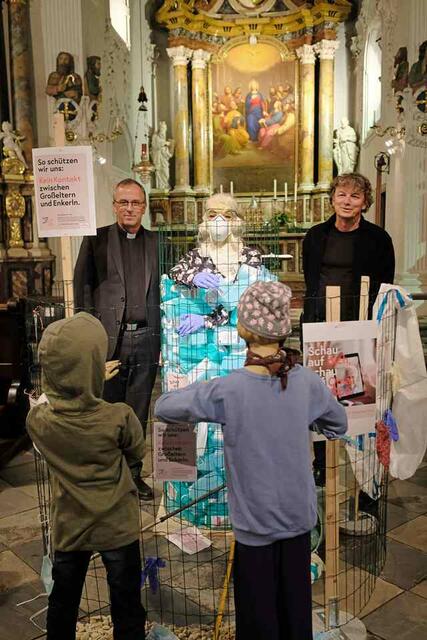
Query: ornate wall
405, 186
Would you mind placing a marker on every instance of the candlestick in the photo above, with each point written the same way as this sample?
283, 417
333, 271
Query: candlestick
295, 192
275, 189
231, 188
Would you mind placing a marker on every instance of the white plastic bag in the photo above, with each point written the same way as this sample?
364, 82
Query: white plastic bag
410, 393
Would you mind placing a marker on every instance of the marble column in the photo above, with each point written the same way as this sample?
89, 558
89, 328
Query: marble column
200, 120
22, 73
326, 51
180, 57
306, 141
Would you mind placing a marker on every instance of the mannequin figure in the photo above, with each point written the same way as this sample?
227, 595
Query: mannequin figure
217, 259
200, 340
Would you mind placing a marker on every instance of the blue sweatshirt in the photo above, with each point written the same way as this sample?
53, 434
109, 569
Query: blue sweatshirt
271, 491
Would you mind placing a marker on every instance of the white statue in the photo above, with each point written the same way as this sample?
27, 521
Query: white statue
345, 147
161, 152
12, 143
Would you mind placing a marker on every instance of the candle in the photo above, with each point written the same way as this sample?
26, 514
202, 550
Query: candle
220, 188
231, 188
295, 191
286, 193
275, 189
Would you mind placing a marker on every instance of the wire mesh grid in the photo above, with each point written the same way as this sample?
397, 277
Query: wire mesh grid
191, 590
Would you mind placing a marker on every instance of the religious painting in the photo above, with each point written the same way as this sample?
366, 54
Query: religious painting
254, 118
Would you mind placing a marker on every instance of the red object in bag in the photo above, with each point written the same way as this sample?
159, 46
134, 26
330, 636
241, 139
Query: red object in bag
383, 443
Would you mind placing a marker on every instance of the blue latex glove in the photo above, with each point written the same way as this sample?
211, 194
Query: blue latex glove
206, 280
190, 323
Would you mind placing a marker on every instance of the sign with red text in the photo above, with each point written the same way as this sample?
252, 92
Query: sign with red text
64, 191
174, 452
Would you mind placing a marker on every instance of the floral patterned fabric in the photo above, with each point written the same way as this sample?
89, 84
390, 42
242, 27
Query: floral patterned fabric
193, 262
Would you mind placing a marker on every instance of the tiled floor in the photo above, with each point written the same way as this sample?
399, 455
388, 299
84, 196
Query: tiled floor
396, 610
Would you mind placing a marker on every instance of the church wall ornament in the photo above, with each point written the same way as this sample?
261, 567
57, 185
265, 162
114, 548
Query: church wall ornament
216, 22
214, 30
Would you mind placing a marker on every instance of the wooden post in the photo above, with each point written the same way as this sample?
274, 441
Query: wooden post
66, 260
364, 298
363, 315
332, 542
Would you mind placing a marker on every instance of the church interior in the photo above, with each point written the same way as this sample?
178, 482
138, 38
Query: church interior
266, 103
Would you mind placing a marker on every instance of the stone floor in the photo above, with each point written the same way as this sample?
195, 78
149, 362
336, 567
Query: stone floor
396, 610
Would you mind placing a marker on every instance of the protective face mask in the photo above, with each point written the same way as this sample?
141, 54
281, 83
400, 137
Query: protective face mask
46, 574
219, 229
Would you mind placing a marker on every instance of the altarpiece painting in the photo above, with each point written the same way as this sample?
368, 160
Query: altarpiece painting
254, 117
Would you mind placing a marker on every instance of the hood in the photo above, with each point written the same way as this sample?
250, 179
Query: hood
72, 355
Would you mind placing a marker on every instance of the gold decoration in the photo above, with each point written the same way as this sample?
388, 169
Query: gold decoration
15, 210
15, 204
12, 166
15, 237
144, 169
70, 135
184, 19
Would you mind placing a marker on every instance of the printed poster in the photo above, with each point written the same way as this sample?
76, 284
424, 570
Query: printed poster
174, 452
64, 191
344, 355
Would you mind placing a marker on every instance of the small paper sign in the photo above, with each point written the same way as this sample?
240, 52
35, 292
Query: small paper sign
64, 191
174, 452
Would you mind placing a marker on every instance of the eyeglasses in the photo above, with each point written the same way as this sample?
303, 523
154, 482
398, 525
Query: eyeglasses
228, 214
134, 204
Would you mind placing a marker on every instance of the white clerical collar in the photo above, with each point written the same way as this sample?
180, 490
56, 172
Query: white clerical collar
130, 236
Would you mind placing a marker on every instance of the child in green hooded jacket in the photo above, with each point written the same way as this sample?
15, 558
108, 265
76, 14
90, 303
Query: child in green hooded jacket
88, 445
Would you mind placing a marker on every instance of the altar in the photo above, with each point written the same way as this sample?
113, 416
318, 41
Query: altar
253, 102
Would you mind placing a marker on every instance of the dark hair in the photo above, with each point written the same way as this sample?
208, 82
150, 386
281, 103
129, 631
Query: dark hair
359, 181
127, 182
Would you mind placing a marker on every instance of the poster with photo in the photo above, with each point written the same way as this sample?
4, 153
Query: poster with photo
344, 355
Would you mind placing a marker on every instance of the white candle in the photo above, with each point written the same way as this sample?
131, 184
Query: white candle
286, 193
275, 189
220, 188
231, 188
295, 191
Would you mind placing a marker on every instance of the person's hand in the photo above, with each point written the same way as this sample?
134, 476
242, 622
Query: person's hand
190, 323
207, 280
111, 368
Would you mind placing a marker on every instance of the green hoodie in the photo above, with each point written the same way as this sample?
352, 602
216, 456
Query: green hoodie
87, 442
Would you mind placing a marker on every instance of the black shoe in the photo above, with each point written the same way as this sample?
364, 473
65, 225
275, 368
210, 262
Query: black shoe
144, 491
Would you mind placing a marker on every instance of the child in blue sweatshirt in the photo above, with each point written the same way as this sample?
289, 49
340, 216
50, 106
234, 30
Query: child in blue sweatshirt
266, 410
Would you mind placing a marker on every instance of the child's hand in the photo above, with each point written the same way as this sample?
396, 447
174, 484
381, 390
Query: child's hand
112, 368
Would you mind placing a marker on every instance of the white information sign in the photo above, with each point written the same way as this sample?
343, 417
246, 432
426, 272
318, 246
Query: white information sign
64, 191
344, 355
174, 452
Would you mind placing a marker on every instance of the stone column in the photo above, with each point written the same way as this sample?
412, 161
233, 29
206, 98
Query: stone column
200, 120
180, 57
306, 142
326, 51
22, 72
